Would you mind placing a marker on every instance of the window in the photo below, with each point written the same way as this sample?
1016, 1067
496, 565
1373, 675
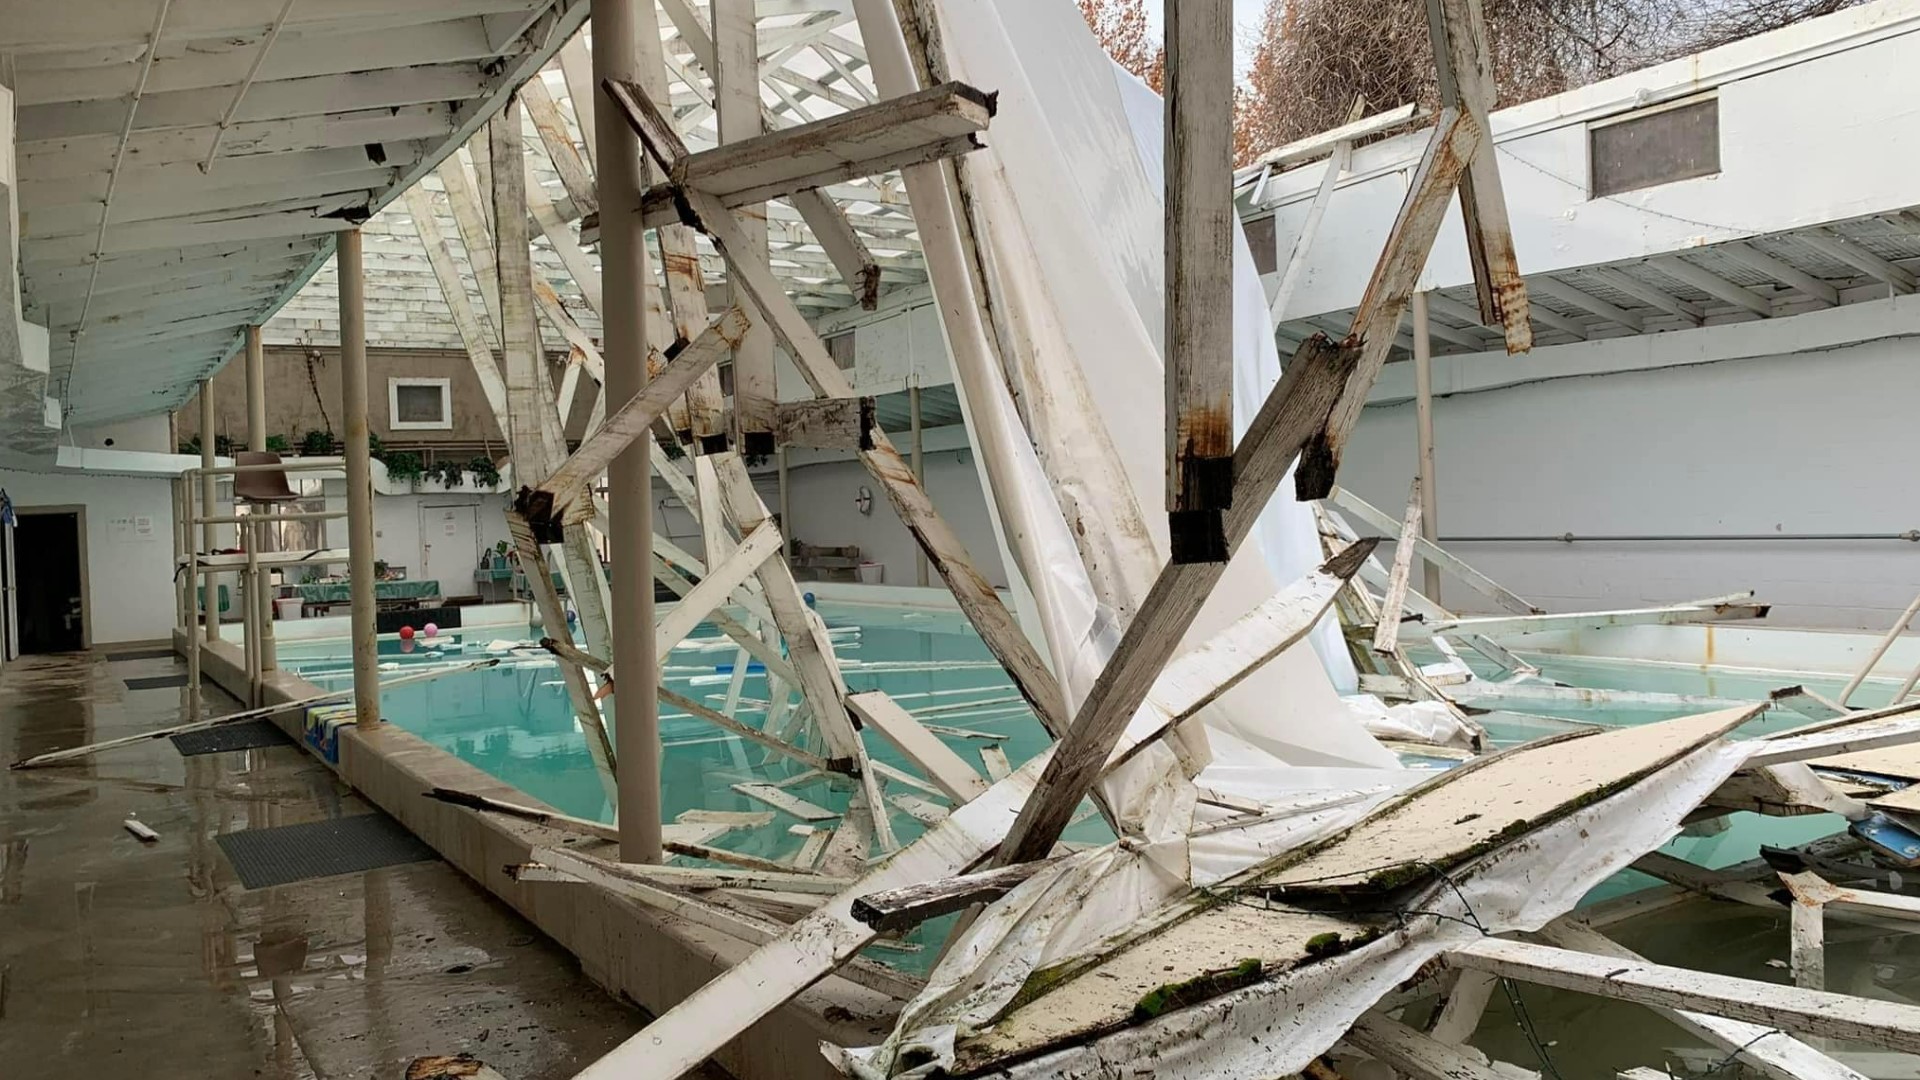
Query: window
1654, 146
1266, 254
419, 405
840, 347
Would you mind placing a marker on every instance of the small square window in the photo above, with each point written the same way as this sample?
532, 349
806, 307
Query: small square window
419, 405
1266, 252
1654, 146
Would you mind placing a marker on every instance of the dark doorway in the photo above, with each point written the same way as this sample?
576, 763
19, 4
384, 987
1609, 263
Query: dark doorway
47, 578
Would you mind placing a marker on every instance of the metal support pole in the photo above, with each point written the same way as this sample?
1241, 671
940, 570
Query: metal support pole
919, 476
353, 406
209, 540
259, 590
1423, 413
182, 547
623, 257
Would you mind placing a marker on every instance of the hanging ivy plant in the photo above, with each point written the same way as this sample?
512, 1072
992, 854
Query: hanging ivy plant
317, 443
403, 466
278, 444
485, 473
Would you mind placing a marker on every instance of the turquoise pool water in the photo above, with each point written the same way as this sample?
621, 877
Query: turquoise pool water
516, 723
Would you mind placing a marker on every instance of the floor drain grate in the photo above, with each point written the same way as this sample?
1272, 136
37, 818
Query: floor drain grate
248, 736
317, 849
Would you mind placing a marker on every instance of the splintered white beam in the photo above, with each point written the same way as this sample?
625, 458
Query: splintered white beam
714, 589
1433, 553
1712, 284
560, 493
843, 245
1198, 240
952, 775
1810, 1012
1772, 1051
1386, 627
1497, 625
453, 290
1422, 1056
932, 124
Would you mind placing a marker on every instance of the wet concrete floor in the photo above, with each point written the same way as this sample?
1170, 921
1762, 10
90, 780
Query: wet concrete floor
119, 957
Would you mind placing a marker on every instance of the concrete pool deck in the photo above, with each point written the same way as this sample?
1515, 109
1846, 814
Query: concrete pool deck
648, 957
118, 956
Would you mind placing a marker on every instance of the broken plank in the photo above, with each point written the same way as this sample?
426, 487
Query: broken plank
1768, 1049
1196, 678
749, 733
1198, 242
995, 760
1295, 410
738, 819
1851, 743
825, 423
780, 800
1810, 1012
948, 771
810, 848
858, 143
1671, 615
811, 949
1799, 699
722, 855
1421, 1057
919, 809
842, 244
633, 420
757, 547
538, 815
1386, 627
908, 907
1471, 809
852, 842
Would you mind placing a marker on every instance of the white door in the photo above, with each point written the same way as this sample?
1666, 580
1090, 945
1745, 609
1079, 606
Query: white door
450, 547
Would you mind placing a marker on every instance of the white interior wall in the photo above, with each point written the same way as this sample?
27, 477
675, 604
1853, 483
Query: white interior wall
151, 434
129, 523
1806, 443
822, 498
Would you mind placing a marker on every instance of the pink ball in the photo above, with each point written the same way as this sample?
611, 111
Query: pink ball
431, 629
406, 633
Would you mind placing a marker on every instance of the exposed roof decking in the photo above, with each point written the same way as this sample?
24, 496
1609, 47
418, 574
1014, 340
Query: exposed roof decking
173, 194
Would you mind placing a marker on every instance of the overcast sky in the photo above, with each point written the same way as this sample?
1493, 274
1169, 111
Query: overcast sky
1246, 21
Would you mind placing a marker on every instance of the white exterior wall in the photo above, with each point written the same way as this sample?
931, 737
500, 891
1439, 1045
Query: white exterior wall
129, 571
1805, 115
148, 434
1806, 443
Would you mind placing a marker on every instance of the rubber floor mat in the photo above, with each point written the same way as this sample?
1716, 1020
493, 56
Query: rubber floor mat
143, 654
248, 736
280, 856
157, 682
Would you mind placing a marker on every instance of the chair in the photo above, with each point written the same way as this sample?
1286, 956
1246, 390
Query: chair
266, 487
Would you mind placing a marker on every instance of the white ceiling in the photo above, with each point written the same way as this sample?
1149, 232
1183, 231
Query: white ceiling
184, 164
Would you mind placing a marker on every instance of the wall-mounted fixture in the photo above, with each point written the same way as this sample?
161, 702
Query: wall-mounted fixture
863, 499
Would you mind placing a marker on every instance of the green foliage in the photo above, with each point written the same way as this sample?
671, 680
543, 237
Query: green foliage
317, 443
451, 474
485, 474
191, 446
223, 445
278, 444
403, 466
753, 461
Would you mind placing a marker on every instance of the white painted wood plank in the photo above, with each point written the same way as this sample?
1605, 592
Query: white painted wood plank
1811, 1012
780, 800
948, 771
761, 544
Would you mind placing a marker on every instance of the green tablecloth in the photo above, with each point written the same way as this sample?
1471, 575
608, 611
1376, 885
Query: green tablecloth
339, 592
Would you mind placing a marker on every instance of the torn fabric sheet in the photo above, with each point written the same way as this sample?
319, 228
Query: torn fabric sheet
1275, 1027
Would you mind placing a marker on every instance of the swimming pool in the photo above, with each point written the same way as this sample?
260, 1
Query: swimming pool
516, 723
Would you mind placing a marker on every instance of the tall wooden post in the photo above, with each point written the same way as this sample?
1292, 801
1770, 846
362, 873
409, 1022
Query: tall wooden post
1423, 413
1199, 254
353, 406
209, 534
623, 259
258, 592
738, 108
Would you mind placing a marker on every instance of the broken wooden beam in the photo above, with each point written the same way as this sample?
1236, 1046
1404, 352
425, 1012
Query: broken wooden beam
838, 423
935, 123
1199, 234
1386, 626
558, 497
1790, 1008
1312, 385
948, 771
907, 907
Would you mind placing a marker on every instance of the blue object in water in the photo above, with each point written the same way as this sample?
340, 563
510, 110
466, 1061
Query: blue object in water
754, 667
808, 597
1889, 836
